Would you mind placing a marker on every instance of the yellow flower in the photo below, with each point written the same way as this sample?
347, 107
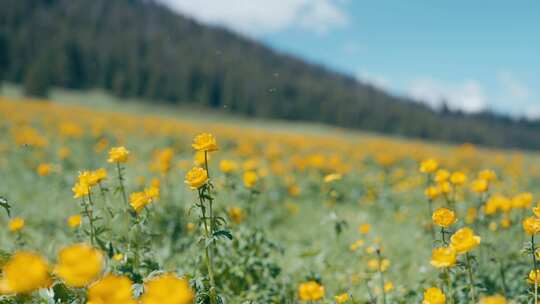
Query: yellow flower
74, 221
442, 176
167, 289
80, 190
342, 298
479, 186
443, 257
373, 265
190, 227
534, 277
23, 273
464, 240
388, 286
471, 215
88, 178
118, 155
434, 295
332, 177
196, 177
250, 179
139, 200
111, 289
444, 217
79, 265
354, 246
44, 169
536, 210
228, 166
429, 166
531, 225
294, 190
445, 187
310, 291
118, 257
488, 175
16, 224
496, 299
100, 174
364, 228
205, 142
522, 200
505, 222
152, 192
458, 178
432, 192
64, 152
236, 214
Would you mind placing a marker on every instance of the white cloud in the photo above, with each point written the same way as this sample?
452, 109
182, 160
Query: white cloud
532, 112
375, 80
512, 87
262, 16
516, 97
467, 96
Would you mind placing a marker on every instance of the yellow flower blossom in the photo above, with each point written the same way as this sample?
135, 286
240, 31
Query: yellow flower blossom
228, 166
44, 169
443, 257
310, 291
23, 273
111, 289
167, 289
534, 277
495, 299
236, 214
434, 295
16, 224
196, 177
118, 155
364, 228
342, 298
79, 265
458, 178
250, 179
464, 240
442, 176
429, 166
444, 217
479, 185
205, 142
531, 225
74, 221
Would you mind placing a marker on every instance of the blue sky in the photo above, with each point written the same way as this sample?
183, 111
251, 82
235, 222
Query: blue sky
473, 54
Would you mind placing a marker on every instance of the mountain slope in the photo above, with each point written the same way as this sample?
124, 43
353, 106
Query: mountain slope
137, 48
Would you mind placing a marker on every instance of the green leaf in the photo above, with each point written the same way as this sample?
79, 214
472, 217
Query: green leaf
223, 233
5, 204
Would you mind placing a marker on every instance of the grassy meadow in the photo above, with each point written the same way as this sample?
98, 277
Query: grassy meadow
252, 211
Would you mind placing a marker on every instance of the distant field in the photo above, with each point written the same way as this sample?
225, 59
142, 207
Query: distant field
302, 203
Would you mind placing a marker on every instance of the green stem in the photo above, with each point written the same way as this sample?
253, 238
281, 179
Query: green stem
533, 253
448, 283
503, 277
90, 216
430, 212
208, 252
471, 278
381, 276
121, 184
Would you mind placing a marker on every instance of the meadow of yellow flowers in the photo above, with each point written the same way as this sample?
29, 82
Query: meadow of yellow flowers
106, 207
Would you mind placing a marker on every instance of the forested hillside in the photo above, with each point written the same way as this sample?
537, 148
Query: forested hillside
136, 48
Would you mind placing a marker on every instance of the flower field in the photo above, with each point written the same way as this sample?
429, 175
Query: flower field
113, 207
